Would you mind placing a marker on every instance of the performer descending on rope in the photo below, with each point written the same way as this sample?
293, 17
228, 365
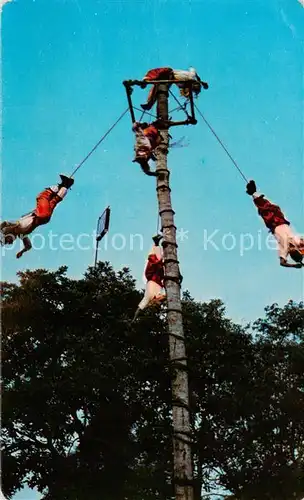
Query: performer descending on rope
47, 200
147, 139
173, 74
289, 244
154, 274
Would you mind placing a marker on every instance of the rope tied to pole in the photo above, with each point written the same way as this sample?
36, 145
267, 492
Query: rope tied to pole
182, 107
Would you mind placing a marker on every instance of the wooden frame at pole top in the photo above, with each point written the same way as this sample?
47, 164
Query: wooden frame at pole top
191, 119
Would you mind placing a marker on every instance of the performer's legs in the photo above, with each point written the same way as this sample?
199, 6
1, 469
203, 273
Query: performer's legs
151, 98
22, 226
152, 290
283, 235
156, 74
143, 153
152, 295
26, 223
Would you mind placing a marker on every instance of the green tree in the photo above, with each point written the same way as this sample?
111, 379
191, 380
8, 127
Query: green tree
86, 412
249, 410
78, 391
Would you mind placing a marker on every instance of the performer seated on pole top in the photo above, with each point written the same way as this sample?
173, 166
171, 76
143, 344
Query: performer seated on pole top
46, 203
147, 139
173, 74
289, 244
154, 274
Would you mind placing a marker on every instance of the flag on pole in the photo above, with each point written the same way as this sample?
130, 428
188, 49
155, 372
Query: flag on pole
103, 224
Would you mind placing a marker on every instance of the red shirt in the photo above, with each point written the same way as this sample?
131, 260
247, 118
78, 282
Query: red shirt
153, 135
155, 270
270, 213
46, 202
159, 74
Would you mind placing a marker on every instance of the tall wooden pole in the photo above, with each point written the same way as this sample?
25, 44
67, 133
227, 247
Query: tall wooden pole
183, 467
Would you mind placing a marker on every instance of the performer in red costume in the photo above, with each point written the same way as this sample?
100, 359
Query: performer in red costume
289, 244
47, 200
147, 139
175, 75
154, 274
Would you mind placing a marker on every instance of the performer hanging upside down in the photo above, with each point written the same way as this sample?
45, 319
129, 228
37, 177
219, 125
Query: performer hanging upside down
147, 139
46, 203
173, 74
154, 274
289, 244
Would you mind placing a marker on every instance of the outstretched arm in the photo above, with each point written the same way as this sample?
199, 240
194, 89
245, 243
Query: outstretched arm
27, 246
267, 210
259, 200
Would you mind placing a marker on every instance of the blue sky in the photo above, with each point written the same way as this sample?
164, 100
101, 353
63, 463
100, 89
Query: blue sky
62, 67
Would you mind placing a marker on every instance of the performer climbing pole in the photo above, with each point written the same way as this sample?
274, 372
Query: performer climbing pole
147, 139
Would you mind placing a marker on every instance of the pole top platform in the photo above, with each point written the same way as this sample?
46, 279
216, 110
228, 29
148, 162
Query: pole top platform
143, 83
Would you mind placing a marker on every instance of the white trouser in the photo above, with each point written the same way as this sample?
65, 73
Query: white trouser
26, 223
153, 290
142, 144
180, 74
284, 236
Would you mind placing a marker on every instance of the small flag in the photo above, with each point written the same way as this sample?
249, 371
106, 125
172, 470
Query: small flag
103, 224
